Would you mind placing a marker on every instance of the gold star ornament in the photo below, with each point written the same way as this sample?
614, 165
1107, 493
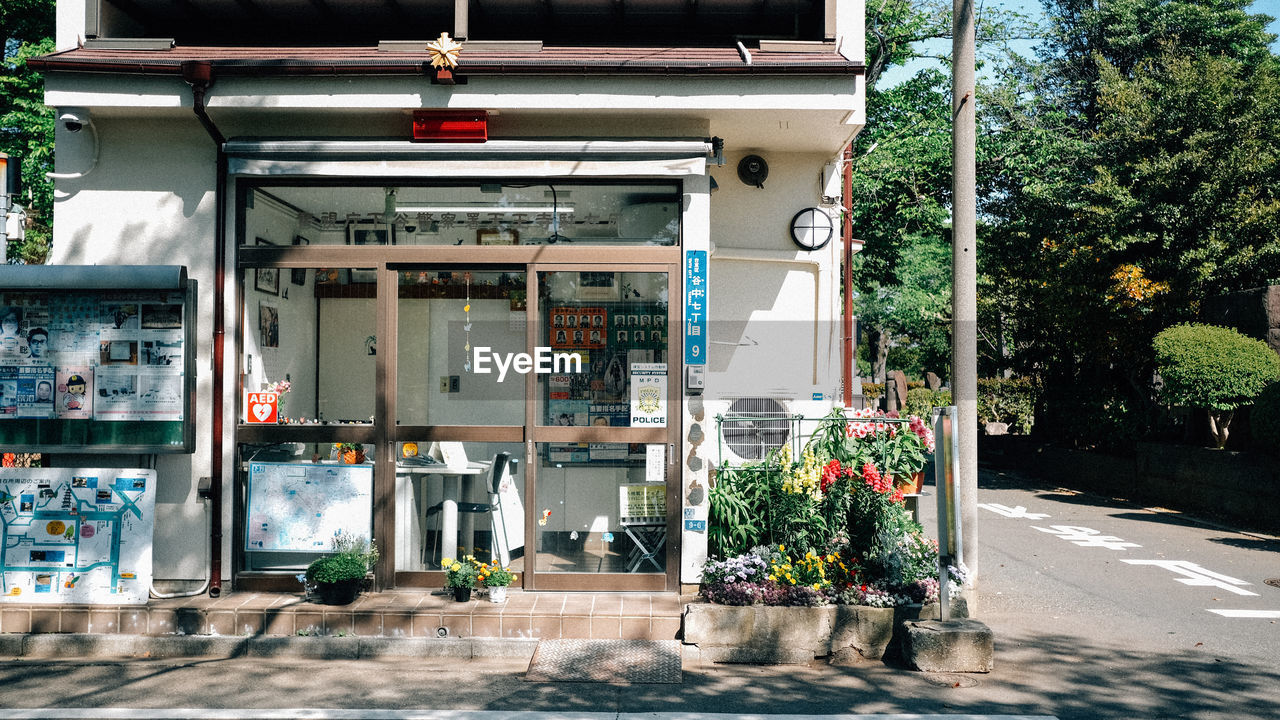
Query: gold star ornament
444, 51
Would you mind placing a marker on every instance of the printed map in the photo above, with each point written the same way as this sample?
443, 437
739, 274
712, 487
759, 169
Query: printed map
301, 506
79, 535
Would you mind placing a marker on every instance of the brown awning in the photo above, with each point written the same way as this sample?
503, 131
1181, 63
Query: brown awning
487, 60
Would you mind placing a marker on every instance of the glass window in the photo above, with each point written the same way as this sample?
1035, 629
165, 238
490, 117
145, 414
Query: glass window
458, 330
455, 499
597, 510
616, 322
318, 336
516, 213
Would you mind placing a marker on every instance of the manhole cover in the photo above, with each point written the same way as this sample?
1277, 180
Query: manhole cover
1273, 582
951, 680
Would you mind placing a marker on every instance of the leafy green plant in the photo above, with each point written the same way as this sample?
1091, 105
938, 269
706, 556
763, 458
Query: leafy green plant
461, 573
733, 525
1008, 400
352, 559
1264, 419
1213, 368
495, 575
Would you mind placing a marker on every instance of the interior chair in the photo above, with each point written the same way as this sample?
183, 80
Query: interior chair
497, 543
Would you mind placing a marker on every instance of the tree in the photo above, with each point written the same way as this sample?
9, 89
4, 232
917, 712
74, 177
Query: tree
1213, 368
26, 123
1133, 175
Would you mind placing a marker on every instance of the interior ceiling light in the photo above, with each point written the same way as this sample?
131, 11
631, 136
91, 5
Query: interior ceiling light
499, 209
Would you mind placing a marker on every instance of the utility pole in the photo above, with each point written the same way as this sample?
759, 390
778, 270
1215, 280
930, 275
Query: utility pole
964, 267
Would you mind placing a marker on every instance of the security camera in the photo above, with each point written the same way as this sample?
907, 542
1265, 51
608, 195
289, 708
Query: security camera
74, 119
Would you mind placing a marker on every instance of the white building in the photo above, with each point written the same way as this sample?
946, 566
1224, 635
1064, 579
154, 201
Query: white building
573, 182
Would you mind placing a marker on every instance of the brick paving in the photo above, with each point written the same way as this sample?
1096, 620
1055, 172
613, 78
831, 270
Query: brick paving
524, 615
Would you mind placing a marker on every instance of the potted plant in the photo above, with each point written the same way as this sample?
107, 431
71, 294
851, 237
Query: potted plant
496, 577
460, 576
350, 453
339, 577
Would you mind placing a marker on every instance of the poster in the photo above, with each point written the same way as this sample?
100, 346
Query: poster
74, 400
76, 535
648, 395
92, 356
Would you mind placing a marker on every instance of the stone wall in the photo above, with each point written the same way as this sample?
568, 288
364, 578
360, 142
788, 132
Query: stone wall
1255, 313
1238, 488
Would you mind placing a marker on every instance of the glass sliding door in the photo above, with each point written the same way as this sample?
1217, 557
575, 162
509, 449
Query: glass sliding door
603, 428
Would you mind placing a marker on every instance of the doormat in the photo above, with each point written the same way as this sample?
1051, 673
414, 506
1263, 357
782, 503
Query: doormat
606, 661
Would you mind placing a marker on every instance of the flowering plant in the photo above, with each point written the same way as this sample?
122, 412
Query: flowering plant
460, 573
495, 575
280, 388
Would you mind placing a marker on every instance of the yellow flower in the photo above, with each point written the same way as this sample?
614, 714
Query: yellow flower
446, 562
455, 567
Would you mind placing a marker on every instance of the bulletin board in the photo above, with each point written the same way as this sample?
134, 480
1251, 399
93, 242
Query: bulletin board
107, 371
610, 337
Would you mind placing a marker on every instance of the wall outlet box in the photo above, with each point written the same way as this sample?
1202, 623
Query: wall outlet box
444, 383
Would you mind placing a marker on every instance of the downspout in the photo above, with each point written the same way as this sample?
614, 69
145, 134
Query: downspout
847, 235
199, 75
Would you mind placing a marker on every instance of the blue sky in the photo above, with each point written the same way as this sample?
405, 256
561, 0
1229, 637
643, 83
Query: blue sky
1034, 9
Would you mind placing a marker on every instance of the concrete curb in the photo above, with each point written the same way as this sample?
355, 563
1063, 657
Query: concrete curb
89, 645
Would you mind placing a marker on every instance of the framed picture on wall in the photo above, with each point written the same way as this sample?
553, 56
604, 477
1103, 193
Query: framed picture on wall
268, 325
266, 280
298, 276
370, 232
597, 286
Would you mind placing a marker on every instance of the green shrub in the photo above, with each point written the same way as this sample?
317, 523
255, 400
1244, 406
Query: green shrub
872, 391
1007, 400
352, 559
1213, 368
922, 401
1265, 419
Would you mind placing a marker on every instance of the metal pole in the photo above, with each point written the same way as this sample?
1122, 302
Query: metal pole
4, 209
964, 348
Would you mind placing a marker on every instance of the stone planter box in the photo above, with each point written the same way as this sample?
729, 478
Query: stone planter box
789, 635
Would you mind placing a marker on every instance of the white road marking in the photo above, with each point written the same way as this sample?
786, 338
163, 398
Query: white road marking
1017, 511
1196, 575
323, 714
1248, 613
1087, 537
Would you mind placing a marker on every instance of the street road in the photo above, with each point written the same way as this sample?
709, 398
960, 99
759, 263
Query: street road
1100, 609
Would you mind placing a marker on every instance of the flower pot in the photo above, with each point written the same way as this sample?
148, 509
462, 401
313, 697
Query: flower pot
353, 457
498, 594
912, 485
343, 592
462, 594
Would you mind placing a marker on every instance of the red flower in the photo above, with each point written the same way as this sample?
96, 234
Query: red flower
10, 460
830, 473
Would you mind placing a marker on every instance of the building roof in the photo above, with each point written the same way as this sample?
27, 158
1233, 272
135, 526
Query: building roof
476, 59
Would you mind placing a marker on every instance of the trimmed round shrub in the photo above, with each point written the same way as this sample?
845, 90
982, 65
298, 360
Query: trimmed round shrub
1264, 419
1213, 368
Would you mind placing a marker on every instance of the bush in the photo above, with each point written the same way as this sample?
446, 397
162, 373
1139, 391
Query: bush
922, 401
1265, 419
352, 559
1011, 401
1213, 368
872, 391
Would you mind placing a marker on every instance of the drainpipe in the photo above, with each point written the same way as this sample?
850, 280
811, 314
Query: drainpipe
199, 75
847, 235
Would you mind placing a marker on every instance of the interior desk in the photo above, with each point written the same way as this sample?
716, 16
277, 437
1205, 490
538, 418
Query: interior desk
458, 484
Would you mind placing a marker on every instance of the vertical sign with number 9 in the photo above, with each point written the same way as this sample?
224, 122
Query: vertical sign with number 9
695, 307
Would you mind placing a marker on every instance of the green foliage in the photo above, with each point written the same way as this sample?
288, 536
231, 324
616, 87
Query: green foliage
921, 402
1216, 368
352, 559
26, 124
733, 525
1008, 400
1264, 419
462, 573
872, 391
